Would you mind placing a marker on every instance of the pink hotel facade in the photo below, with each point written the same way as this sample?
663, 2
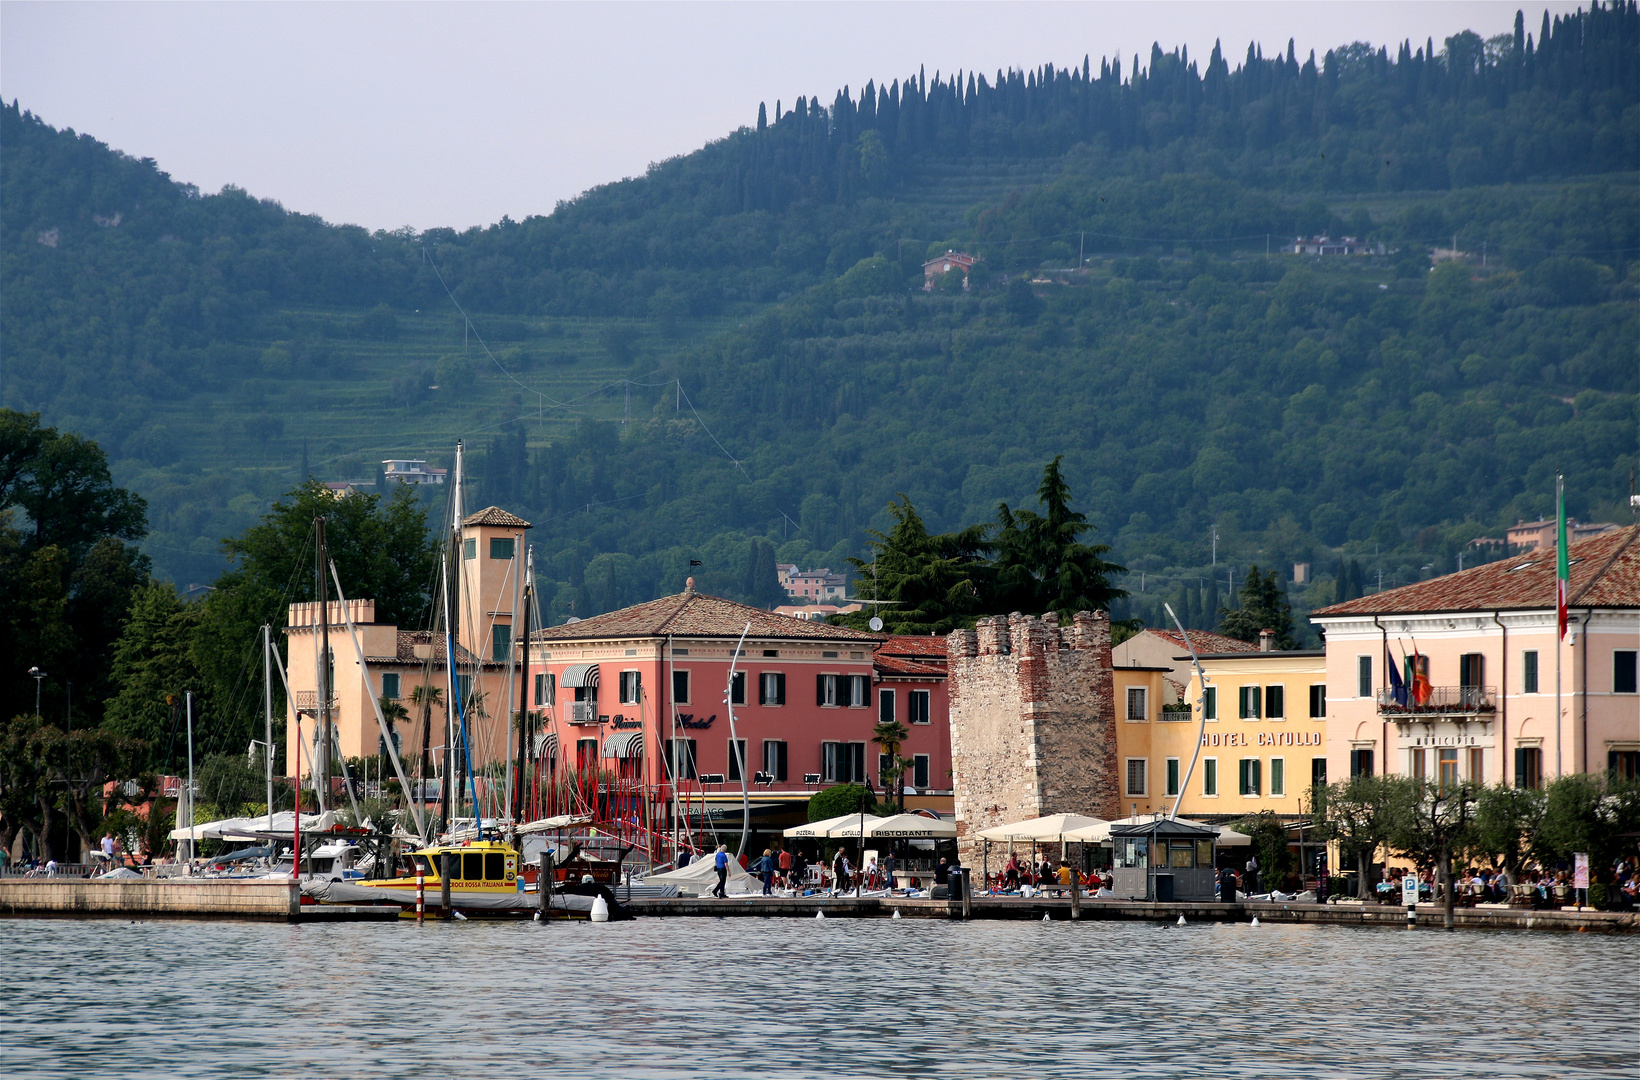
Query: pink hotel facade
642, 690
1489, 636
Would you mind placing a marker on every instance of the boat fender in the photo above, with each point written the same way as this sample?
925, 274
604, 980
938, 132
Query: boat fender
459, 915
600, 910
819, 914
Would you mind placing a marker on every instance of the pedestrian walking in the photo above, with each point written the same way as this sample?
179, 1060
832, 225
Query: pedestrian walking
785, 866
720, 861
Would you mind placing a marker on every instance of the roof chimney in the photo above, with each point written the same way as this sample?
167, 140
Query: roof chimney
1266, 641
689, 587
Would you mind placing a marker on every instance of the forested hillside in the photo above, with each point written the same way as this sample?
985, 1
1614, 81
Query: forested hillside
730, 359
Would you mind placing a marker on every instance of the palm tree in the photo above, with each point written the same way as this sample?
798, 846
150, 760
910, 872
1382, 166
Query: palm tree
426, 696
890, 735
393, 712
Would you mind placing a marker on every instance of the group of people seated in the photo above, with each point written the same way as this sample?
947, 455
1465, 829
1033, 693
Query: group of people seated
1044, 874
1536, 886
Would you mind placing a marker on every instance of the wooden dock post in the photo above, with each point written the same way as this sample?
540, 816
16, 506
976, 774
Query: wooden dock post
543, 886
446, 863
1076, 895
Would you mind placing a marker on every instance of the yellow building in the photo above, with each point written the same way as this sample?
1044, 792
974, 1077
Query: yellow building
1262, 746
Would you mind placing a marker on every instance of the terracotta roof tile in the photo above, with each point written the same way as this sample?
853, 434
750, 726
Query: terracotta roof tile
1605, 572
897, 665
913, 645
1205, 641
691, 614
494, 515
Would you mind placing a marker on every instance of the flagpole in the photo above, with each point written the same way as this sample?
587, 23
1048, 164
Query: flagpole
1560, 604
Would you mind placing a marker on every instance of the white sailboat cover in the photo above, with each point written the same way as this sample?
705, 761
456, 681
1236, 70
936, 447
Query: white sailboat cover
700, 877
251, 828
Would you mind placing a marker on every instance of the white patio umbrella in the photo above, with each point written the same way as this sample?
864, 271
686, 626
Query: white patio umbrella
902, 827
815, 830
1099, 833
1052, 827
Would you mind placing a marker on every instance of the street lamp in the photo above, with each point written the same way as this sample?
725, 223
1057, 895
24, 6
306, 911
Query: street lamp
36, 674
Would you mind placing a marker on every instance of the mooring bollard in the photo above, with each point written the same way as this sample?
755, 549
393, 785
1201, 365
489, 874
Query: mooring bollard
1076, 896
543, 886
421, 895
446, 864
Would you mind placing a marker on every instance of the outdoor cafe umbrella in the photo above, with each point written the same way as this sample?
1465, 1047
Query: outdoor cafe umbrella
901, 827
833, 826
1036, 830
1100, 832
1051, 827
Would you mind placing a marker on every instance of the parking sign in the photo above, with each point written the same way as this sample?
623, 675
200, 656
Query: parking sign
1409, 890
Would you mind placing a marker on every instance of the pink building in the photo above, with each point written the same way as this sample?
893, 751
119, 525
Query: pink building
1488, 642
641, 694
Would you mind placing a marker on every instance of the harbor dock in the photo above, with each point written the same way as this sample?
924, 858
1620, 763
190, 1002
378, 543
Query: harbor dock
280, 901
173, 898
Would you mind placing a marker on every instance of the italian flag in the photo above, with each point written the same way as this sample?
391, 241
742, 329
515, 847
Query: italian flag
1563, 568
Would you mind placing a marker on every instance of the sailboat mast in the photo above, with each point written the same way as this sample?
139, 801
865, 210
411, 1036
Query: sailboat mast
322, 762
521, 609
267, 712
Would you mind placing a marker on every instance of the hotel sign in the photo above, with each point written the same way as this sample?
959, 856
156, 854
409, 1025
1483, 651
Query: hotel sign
1445, 735
1264, 738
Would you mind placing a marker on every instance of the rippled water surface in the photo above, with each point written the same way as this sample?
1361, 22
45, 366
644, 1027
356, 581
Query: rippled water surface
839, 997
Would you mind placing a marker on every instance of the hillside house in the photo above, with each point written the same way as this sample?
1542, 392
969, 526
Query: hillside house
957, 261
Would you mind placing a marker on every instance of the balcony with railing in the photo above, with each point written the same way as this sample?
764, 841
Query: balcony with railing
1451, 702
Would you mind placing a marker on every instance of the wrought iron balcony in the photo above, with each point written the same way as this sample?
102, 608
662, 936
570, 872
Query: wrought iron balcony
1479, 702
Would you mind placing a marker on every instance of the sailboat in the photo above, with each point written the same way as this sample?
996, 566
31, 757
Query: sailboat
486, 871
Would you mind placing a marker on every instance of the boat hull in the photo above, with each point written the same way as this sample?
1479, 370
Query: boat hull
497, 904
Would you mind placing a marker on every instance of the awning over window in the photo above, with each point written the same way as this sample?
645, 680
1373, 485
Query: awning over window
547, 745
579, 675
624, 744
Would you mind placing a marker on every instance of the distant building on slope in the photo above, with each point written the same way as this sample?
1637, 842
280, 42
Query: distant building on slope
1327, 245
960, 261
412, 471
1532, 535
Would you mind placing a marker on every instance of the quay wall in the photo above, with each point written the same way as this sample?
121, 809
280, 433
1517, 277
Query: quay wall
150, 898
1035, 908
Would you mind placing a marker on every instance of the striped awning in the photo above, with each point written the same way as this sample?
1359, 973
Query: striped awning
624, 744
579, 675
546, 745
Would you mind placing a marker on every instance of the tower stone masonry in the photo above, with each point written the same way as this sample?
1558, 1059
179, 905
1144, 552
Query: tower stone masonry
1032, 722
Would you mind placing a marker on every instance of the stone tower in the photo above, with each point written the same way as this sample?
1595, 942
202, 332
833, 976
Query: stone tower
1032, 721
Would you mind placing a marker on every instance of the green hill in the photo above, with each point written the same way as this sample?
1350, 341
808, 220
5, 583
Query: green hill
730, 359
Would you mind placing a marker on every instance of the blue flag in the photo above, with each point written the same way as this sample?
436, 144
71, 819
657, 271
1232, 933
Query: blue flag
1397, 687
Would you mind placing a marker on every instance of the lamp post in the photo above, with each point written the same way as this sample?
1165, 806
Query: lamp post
37, 675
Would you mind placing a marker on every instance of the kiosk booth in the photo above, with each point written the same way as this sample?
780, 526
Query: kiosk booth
1163, 860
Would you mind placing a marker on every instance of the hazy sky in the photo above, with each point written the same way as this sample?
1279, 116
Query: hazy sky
429, 114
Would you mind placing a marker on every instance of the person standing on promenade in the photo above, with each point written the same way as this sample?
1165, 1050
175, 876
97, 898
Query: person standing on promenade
721, 862
785, 864
765, 867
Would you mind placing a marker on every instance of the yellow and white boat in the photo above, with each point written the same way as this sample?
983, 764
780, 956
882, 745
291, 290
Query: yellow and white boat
485, 880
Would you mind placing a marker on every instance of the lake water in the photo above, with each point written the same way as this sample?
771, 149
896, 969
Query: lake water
809, 998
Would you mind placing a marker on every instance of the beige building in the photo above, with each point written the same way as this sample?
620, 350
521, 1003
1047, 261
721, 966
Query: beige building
1487, 643
397, 661
1262, 742
1161, 648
